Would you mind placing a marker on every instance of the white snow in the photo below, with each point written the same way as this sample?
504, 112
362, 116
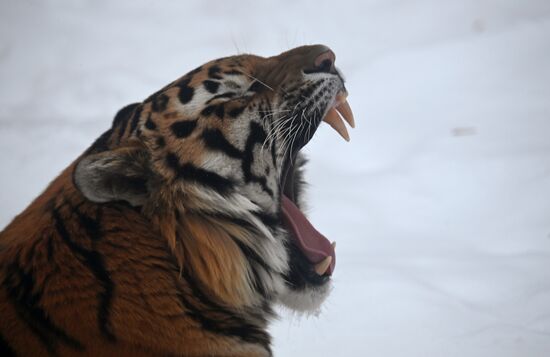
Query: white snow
441, 202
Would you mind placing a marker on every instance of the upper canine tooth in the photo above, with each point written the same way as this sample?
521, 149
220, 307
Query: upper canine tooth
344, 109
321, 267
333, 119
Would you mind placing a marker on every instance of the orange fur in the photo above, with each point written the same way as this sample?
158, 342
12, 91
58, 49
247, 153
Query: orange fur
147, 315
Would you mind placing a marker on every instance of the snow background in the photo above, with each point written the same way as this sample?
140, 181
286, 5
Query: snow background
441, 202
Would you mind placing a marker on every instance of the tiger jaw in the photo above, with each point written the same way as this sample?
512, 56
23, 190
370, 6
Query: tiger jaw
338, 110
314, 254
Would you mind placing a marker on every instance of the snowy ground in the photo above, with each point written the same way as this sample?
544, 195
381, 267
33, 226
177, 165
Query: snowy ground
440, 204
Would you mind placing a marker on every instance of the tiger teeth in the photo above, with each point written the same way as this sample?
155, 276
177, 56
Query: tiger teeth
335, 121
345, 111
321, 268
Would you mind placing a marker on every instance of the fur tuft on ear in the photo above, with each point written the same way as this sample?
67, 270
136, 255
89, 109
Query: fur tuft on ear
116, 175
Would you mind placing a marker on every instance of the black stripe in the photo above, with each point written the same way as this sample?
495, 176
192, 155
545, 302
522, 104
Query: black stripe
173, 163
150, 124
235, 220
226, 322
272, 142
186, 92
91, 225
257, 86
122, 117
182, 129
214, 139
26, 297
235, 112
208, 110
94, 261
208, 178
257, 136
159, 103
272, 222
135, 119
5, 348
220, 111
273, 151
190, 172
233, 72
161, 142
214, 72
268, 220
211, 86
205, 177
253, 257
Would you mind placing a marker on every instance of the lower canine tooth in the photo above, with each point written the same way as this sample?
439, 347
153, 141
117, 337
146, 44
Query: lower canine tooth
321, 268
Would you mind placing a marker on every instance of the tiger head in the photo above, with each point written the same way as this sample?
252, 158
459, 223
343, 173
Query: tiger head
214, 159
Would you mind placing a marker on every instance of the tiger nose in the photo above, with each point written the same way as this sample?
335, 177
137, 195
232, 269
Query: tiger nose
321, 60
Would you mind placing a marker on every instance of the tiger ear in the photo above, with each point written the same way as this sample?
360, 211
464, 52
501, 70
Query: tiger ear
121, 174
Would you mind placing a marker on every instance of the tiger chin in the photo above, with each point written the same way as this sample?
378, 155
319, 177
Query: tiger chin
180, 228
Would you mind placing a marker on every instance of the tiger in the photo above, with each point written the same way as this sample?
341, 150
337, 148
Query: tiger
180, 229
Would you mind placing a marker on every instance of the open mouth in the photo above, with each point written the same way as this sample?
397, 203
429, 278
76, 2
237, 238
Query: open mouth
313, 246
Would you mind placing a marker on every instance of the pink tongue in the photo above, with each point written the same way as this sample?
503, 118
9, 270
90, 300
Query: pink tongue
312, 243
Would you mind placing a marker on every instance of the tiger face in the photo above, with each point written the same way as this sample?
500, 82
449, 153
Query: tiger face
223, 142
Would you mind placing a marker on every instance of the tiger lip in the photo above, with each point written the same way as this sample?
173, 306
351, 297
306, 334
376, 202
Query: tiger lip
338, 110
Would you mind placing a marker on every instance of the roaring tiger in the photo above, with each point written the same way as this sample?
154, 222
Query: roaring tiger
178, 230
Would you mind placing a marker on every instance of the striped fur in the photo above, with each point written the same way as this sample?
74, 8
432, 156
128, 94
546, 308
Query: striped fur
165, 236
